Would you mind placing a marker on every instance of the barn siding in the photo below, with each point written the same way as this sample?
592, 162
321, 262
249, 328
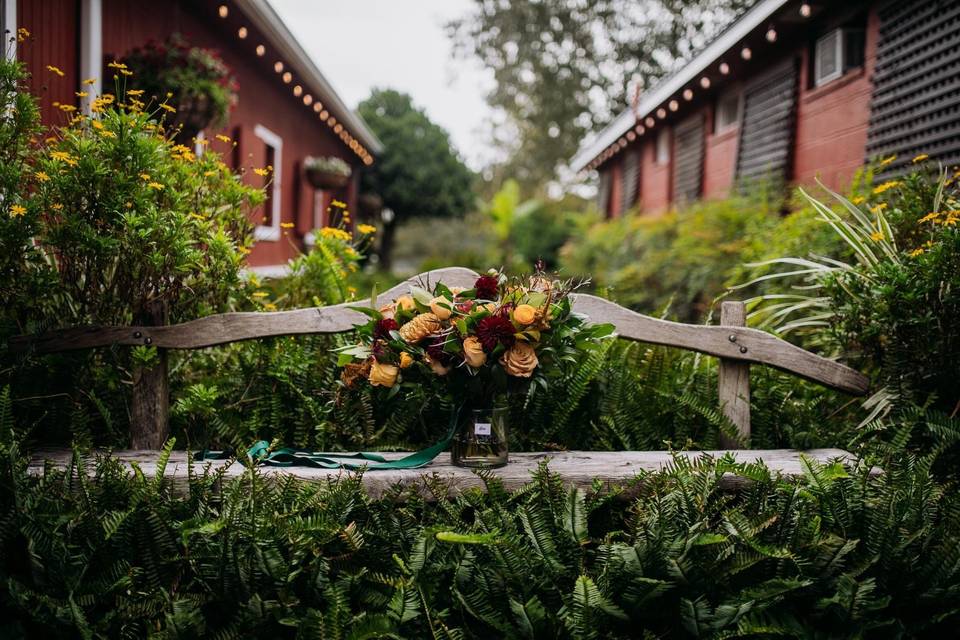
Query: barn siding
654, 177
916, 98
719, 158
53, 25
688, 164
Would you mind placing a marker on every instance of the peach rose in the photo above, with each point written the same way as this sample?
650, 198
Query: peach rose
440, 307
438, 368
387, 311
405, 360
519, 360
525, 314
383, 375
473, 352
406, 303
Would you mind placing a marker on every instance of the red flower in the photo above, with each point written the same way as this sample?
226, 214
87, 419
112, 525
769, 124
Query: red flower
494, 330
435, 350
382, 329
486, 287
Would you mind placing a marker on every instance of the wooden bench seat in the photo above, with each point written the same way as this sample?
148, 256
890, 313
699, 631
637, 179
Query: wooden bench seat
577, 468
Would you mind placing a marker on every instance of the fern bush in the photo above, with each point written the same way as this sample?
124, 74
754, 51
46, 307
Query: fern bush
98, 551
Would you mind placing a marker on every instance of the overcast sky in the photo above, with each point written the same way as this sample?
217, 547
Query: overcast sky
362, 44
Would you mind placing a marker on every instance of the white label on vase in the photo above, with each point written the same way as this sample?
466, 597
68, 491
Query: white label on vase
481, 429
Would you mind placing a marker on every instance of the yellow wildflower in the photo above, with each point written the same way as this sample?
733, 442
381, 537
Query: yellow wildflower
858, 200
196, 216
209, 173
42, 176
888, 160
916, 252
126, 72
89, 81
286, 225
17, 210
951, 220
877, 209
269, 307
260, 294
223, 138
366, 229
338, 203
22, 34
145, 176
135, 92
81, 94
155, 185
933, 216
876, 236
167, 107
880, 188
108, 134
63, 156
920, 158
55, 70
117, 65
243, 251
68, 108
56, 206
262, 172
334, 233
96, 124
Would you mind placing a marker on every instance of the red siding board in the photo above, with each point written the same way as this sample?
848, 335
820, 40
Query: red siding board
53, 41
655, 179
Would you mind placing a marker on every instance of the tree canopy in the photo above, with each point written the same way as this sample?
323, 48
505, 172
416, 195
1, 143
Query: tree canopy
562, 68
419, 172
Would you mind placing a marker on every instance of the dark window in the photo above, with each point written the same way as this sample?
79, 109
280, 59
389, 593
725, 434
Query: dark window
728, 111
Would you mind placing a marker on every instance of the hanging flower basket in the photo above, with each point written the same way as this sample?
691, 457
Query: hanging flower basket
327, 173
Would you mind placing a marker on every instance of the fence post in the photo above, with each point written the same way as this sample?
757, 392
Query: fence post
734, 382
150, 404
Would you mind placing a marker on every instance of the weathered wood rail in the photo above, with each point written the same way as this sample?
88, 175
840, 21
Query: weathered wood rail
736, 345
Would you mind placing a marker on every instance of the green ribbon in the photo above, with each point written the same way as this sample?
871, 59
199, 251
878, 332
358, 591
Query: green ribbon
260, 453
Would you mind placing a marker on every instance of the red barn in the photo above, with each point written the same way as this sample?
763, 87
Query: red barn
790, 92
286, 108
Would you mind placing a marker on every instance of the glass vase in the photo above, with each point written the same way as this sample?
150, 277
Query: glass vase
481, 438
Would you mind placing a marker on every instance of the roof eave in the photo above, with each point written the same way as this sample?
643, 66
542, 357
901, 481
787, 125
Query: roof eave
263, 16
755, 17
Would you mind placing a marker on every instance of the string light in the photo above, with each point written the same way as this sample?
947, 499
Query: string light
317, 107
261, 50
805, 10
278, 66
745, 53
661, 113
771, 34
649, 122
673, 105
223, 11
308, 99
287, 77
332, 121
631, 136
324, 115
639, 129
338, 128
242, 33
297, 90
705, 82
688, 94
724, 68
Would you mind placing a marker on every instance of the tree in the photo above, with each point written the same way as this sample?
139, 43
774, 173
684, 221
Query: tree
419, 172
562, 68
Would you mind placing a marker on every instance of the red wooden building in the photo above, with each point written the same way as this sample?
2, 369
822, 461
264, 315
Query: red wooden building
790, 92
286, 110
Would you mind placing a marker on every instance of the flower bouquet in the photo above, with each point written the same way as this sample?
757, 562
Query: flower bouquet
502, 336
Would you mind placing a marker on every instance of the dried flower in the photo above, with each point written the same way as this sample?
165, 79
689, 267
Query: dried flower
383, 375
420, 327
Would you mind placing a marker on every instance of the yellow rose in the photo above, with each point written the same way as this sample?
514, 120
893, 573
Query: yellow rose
519, 360
525, 314
440, 307
438, 368
406, 303
405, 360
383, 375
473, 352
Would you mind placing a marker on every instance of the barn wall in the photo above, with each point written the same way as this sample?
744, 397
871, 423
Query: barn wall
655, 178
832, 120
53, 41
719, 160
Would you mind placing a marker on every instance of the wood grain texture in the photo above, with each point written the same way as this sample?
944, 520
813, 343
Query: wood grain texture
733, 384
576, 468
233, 327
762, 348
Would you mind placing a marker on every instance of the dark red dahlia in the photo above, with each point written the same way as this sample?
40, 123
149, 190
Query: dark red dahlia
494, 330
382, 329
436, 352
486, 287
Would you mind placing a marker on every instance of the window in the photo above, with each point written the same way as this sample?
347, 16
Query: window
663, 146
271, 206
727, 114
320, 202
836, 53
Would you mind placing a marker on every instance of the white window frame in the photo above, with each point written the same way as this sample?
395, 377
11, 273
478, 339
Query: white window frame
718, 128
8, 28
662, 144
272, 231
818, 78
318, 196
